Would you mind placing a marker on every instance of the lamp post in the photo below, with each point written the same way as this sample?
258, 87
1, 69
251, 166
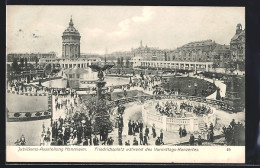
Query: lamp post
195, 85
213, 78
189, 85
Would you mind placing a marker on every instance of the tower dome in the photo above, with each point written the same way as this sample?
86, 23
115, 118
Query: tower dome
71, 42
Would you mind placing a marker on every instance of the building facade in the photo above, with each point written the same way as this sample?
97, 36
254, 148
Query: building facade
237, 44
31, 57
71, 42
149, 53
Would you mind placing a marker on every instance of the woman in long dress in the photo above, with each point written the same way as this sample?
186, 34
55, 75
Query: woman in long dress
130, 128
153, 130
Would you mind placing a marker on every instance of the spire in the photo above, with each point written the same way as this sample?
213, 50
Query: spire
141, 44
71, 22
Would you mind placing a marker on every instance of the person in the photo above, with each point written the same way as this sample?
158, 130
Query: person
129, 128
199, 140
184, 132
48, 136
180, 132
42, 140
157, 142
161, 136
191, 139
141, 138
136, 127
153, 130
120, 143
147, 132
59, 141
85, 142
133, 127
145, 140
22, 140
95, 141
141, 125
127, 143
232, 123
135, 142
45, 141
110, 141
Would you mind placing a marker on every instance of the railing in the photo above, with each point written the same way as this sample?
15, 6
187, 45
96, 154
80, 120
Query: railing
216, 103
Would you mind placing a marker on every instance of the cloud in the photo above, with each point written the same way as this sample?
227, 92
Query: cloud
146, 15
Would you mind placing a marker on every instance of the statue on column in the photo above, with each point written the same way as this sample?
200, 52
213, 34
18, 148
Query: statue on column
100, 69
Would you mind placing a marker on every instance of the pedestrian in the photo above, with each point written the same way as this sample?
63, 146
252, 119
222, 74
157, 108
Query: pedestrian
153, 130
191, 141
127, 143
96, 141
141, 138
135, 142
147, 132
129, 128
199, 140
145, 140
161, 136
180, 132
157, 142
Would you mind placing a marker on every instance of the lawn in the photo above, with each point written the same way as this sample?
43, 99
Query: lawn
22, 103
183, 83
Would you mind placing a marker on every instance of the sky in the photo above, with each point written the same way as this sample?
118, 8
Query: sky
118, 28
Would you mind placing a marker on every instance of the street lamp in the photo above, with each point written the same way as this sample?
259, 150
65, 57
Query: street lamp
195, 85
189, 85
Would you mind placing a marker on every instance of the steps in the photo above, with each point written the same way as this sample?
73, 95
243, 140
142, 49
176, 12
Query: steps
201, 125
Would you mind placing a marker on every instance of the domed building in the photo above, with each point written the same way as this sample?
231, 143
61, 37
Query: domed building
71, 42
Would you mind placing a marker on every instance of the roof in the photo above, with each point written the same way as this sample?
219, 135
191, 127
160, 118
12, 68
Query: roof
199, 43
71, 29
220, 47
236, 36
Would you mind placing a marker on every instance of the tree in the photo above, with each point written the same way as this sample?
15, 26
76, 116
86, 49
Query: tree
165, 56
230, 66
214, 66
122, 61
15, 66
127, 63
25, 63
22, 62
36, 61
118, 61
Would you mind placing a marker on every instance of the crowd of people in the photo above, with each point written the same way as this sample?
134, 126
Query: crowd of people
234, 133
196, 109
169, 108
136, 128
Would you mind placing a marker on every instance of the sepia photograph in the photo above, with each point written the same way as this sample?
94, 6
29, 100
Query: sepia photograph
125, 84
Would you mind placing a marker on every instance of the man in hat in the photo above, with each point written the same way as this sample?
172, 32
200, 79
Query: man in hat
191, 139
129, 128
96, 141
161, 136
141, 138
147, 132
199, 140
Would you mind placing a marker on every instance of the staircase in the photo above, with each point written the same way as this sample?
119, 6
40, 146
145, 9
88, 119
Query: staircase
201, 125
